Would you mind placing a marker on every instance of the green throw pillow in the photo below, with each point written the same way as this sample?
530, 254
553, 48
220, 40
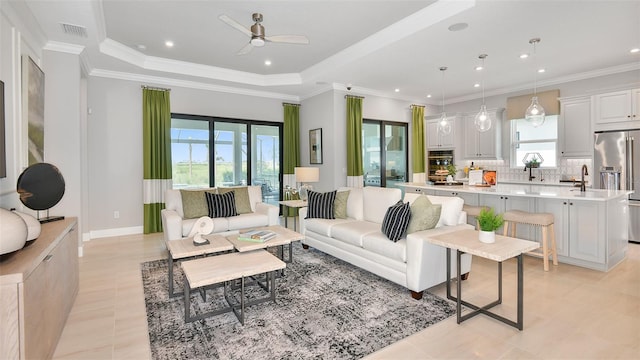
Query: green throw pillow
424, 215
194, 205
340, 204
243, 205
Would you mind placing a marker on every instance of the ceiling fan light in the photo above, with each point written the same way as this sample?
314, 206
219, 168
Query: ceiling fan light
257, 42
535, 113
482, 120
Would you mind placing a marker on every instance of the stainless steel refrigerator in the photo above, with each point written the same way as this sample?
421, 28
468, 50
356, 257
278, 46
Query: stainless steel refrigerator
616, 164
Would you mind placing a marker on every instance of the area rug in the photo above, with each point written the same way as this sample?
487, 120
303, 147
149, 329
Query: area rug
325, 308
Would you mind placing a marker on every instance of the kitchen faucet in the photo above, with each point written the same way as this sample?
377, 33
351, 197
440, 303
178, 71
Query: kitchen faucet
584, 172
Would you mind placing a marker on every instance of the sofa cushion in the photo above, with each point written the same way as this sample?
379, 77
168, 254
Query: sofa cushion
451, 209
377, 200
354, 203
320, 205
244, 221
352, 232
221, 205
340, 204
194, 204
396, 220
424, 215
378, 243
243, 205
323, 226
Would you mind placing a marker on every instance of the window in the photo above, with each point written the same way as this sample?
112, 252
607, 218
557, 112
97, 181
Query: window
208, 152
387, 167
528, 139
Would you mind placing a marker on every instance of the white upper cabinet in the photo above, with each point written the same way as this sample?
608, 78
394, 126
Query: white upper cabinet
575, 137
617, 110
482, 145
437, 140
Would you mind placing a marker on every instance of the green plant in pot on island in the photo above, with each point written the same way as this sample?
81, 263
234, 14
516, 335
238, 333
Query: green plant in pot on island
489, 222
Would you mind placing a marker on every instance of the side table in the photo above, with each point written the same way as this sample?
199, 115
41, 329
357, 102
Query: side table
292, 204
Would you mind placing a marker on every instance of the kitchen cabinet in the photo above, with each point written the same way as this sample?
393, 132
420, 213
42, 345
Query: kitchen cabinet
502, 203
618, 110
437, 140
417, 190
38, 286
469, 199
482, 145
574, 128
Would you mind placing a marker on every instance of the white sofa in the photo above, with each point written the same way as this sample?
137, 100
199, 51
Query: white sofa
411, 262
176, 226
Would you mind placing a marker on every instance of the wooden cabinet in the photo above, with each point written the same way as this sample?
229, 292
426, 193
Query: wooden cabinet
617, 110
437, 140
575, 137
482, 145
39, 284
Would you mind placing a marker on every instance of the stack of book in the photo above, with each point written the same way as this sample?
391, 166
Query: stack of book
257, 235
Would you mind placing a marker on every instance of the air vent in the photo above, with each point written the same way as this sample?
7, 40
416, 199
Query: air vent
75, 30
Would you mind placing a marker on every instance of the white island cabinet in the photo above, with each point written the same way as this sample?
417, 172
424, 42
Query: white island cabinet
590, 227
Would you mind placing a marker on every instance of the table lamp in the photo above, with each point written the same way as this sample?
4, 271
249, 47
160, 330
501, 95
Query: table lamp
305, 175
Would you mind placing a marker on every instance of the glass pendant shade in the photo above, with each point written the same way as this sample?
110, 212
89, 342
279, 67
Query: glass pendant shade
482, 120
535, 113
444, 126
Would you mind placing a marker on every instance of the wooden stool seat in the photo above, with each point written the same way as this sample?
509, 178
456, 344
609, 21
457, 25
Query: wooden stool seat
473, 211
543, 220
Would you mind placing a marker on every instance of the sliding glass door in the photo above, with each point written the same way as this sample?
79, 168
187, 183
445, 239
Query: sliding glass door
384, 153
230, 153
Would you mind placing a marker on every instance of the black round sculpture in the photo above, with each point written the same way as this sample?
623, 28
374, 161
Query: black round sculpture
41, 186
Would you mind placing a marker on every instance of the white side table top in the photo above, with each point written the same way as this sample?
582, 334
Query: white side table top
294, 203
467, 241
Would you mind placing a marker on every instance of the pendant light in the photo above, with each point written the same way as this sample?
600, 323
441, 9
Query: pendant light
482, 119
535, 112
444, 126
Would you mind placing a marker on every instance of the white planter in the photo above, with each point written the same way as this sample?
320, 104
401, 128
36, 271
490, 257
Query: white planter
487, 237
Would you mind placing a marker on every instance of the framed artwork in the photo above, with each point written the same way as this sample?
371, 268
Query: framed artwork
315, 146
33, 108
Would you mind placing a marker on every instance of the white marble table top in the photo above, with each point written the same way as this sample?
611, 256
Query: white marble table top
294, 203
467, 241
284, 236
183, 248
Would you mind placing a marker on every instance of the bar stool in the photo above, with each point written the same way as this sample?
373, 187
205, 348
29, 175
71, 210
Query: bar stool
473, 211
543, 220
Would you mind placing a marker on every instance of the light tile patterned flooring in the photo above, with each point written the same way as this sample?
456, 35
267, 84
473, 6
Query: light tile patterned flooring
570, 312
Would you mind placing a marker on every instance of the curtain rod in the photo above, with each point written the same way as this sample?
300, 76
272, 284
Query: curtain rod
154, 88
414, 105
354, 96
283, 104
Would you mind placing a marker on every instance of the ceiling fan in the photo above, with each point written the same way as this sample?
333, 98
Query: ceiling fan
257, 34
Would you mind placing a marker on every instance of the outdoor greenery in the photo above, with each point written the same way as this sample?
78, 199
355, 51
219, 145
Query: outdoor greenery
192, 175
489, 221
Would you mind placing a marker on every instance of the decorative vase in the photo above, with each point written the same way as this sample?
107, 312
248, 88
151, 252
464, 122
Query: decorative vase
487, 237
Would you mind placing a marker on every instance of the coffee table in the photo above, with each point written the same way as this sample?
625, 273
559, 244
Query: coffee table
283, 237
185, 249
504, 248
204, 272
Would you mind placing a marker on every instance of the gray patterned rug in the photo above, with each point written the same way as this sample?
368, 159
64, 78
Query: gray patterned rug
325, 308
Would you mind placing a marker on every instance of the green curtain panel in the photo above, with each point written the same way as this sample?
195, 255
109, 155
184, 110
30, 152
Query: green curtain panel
354, 141
291, 145
156, 152
417, 139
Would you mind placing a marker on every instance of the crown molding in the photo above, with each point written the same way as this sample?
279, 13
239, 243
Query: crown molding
121, 52
98, 15
64, 47
190, 84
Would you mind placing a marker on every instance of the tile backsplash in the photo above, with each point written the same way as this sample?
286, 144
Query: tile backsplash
567, 168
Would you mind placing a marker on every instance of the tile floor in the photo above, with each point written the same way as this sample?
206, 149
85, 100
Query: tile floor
570, 312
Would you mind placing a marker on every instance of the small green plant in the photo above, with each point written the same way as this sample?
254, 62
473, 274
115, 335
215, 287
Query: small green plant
452, 170
489, 221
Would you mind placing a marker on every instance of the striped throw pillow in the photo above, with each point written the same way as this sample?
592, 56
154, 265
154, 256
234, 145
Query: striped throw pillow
396, 221
320, 205
221, 205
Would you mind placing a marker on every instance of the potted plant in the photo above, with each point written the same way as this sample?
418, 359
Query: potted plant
533, 163
488, 222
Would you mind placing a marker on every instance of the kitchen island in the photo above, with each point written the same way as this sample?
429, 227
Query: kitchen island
591, 227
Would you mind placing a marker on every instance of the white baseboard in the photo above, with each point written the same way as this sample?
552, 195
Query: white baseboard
133, 230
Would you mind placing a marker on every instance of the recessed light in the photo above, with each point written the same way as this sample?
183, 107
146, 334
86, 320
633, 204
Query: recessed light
397, 90
478, 68
168, 43
458, 26
524, 56
541, 70
428, 95
141, 47
267, 62
634, 50
476, 85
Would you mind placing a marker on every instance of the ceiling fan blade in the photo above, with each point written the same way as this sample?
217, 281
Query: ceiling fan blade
229, 21
289, 39
245, 50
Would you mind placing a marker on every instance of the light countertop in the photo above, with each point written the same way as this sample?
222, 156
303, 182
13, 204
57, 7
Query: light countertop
538, 191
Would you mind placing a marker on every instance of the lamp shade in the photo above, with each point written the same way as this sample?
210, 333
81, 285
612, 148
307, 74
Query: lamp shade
307, 174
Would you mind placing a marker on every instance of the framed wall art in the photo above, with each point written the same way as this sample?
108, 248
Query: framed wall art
315, 146
33, 108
